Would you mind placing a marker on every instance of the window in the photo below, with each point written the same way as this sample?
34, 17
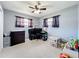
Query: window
22, 22
30, 23
19, 21
50, 22
55, 21
26, 22
45, 23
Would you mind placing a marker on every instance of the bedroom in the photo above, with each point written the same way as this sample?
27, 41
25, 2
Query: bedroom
67, 28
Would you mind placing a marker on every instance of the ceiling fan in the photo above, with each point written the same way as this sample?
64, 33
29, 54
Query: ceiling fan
37, 8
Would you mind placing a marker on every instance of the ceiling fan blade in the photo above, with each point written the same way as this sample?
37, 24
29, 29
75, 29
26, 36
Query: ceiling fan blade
33, 11
38, 2
31, 7
42, 8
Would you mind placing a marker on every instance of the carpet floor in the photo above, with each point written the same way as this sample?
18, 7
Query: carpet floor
31, 49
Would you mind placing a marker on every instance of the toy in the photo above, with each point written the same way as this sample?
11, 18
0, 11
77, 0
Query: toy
72, 43
76, 44
64, 55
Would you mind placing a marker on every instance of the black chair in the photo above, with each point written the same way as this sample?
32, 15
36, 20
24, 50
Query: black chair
35, 33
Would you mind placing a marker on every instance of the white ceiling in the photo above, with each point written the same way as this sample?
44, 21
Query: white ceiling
22, 6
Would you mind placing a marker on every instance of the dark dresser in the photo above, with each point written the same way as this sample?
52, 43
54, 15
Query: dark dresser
17, 37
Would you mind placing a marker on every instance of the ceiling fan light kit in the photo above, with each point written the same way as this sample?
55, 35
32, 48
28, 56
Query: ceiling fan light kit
37, 11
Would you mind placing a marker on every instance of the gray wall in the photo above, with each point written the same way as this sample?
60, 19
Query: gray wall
1, 27
68, 26
10, 19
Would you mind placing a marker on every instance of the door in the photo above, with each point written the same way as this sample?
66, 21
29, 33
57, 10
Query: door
1, 27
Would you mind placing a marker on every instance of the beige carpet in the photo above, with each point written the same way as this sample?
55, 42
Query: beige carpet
31, 49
